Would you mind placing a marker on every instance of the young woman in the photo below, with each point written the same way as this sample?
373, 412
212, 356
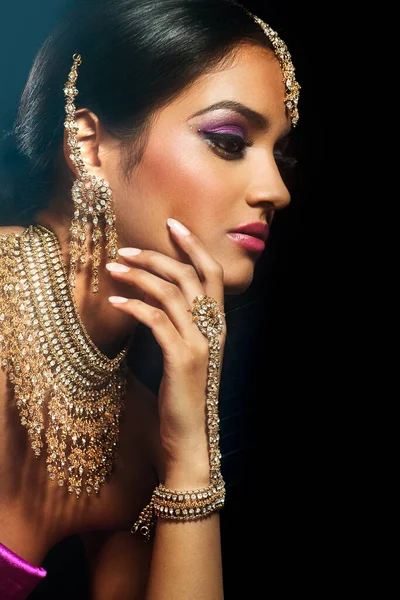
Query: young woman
147, 172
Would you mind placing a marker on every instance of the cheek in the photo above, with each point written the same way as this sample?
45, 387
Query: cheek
185, 177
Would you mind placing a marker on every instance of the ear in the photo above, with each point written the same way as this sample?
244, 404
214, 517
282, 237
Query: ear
88, 138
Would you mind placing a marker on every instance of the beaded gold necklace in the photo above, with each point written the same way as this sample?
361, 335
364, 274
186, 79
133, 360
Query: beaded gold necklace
65, 389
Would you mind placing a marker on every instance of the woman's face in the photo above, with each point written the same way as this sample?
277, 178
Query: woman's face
215, 179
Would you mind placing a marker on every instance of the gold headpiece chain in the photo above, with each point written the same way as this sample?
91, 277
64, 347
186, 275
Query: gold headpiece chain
283, 55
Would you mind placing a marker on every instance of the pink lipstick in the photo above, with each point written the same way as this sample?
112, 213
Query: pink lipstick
250, 235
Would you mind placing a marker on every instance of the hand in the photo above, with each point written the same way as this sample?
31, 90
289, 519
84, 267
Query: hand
174, 285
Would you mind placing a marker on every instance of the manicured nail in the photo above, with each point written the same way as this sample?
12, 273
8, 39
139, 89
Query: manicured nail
179, 228
117, 299
129, 251
117, 268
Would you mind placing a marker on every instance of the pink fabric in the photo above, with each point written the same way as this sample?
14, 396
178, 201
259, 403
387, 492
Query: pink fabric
17, 577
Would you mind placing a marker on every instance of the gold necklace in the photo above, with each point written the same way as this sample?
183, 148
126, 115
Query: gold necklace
63, 385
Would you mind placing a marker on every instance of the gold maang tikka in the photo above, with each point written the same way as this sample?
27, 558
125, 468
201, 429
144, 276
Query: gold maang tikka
292, 87
92, 198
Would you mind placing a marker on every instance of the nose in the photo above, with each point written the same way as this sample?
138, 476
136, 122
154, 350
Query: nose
266, 183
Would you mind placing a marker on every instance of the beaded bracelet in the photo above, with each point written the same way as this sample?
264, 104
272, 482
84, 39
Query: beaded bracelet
179, 505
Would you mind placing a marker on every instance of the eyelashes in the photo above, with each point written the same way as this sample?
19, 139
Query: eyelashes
230, 146
233, 147
227, 145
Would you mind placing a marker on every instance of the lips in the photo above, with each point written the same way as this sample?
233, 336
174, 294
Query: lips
258, 230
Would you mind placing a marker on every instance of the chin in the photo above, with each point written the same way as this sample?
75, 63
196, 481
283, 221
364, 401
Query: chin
234, 285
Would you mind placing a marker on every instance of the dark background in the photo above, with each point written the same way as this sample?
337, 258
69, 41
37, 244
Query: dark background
276, 388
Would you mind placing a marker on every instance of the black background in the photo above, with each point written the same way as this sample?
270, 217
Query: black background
277, 393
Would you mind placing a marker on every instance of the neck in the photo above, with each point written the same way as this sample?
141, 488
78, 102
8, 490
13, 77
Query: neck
108, 328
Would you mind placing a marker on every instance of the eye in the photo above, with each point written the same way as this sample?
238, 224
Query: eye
227, 145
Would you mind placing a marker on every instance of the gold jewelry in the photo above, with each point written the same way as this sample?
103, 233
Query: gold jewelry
284, 57
186, 505
92, 197
195, 504
51, 360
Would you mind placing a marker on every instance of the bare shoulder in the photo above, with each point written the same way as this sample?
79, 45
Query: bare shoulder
10, 229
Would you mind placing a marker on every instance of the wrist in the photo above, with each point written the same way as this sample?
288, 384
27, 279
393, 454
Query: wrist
186, 453
189, 472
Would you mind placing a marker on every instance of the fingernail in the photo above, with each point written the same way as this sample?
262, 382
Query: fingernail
117, 268
174, 224
117, 299
129, 251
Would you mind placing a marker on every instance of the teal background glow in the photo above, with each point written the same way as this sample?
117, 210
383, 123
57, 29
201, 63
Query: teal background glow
24, 25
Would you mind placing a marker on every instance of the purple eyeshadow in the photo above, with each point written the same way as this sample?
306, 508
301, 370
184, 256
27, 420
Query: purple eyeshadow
231, 129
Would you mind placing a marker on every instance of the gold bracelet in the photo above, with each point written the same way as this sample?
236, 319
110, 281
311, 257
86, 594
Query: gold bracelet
195, 504
180, 505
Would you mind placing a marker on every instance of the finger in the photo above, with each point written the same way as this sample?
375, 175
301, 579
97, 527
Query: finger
154, 318
210, 271
169, 269
167, 294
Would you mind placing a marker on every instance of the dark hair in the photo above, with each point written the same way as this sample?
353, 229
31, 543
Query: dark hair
137, 55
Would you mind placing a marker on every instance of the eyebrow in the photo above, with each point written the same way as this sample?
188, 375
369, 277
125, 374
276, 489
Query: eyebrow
255, 118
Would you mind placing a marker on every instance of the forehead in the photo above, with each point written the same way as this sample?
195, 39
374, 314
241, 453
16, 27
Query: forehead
253, 77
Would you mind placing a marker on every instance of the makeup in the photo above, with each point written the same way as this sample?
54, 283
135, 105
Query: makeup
231, 123
236, 110
117, 268
247, 241
226, 134
223, 129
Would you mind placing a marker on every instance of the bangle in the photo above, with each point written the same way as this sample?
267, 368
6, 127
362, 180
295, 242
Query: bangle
177, 505
188, 505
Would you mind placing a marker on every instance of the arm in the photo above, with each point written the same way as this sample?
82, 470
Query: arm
182, 561
186, 559
186, 555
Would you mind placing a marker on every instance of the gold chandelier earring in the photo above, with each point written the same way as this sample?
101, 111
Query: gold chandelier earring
92, 199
